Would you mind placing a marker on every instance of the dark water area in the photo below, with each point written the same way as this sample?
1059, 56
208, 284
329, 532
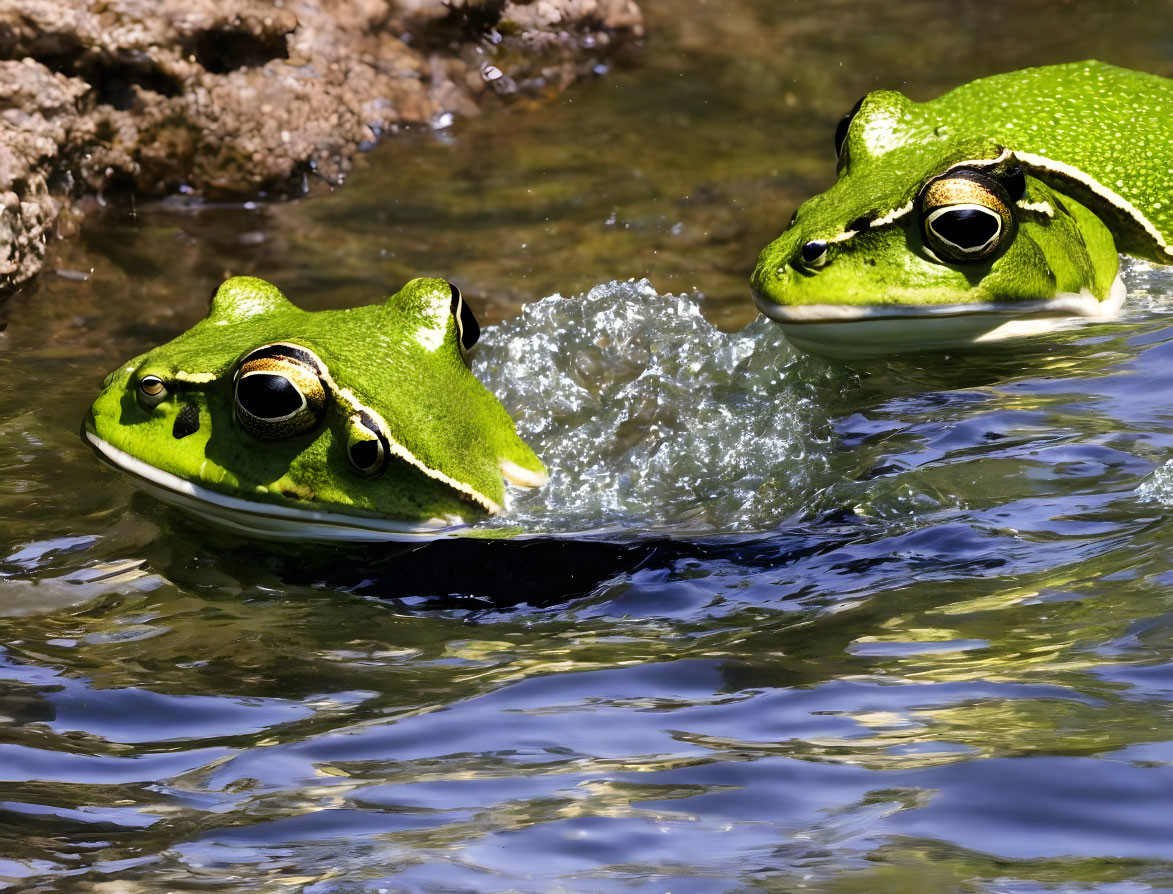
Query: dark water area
904, 625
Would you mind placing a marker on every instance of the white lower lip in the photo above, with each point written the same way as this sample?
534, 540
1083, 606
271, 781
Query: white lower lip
265, 520
845, 331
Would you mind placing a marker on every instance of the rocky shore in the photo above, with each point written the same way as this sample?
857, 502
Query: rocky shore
230, 100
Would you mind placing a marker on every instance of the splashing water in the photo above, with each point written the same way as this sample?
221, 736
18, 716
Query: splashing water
1150, 288
1158, 487
647, 416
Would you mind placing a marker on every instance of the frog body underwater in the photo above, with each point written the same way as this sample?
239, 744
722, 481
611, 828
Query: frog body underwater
994, 210
357, 424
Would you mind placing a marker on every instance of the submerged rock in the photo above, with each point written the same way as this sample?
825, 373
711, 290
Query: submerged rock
231, 99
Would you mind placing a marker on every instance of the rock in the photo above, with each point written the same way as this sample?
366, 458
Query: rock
235, 98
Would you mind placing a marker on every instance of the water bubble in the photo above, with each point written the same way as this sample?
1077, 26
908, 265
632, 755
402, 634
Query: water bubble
1158, 487
647, 416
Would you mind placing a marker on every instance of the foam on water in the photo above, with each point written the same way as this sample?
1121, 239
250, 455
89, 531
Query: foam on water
648, 417
1150, 288
1158, 487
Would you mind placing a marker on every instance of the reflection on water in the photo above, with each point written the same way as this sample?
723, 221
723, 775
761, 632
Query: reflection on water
917, 637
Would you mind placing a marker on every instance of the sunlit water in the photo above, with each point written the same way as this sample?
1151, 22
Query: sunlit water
899, 626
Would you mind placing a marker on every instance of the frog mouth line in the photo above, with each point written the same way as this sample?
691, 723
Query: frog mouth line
849, 332
265, 520
1065, 304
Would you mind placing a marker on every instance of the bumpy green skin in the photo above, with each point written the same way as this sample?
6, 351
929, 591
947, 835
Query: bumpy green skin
400, 358
1096, 144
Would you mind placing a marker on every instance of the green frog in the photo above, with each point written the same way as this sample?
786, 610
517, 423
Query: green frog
994, 210
357, 424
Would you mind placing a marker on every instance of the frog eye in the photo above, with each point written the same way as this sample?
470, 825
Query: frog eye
280, 392
466, 322
844, 126
814, 253
151, 391
367, 445
965, 215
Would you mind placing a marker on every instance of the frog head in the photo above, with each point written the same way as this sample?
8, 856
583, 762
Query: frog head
930, 238
357, 424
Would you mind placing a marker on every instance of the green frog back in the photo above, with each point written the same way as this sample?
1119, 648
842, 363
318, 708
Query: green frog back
1102, 132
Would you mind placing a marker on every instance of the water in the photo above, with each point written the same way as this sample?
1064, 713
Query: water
899, 626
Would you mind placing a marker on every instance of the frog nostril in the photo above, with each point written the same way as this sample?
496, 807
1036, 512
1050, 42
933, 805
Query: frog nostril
187, 421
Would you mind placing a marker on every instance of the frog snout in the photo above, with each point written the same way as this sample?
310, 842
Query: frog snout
771, 284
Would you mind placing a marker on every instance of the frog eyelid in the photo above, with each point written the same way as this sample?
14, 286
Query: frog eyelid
286, 351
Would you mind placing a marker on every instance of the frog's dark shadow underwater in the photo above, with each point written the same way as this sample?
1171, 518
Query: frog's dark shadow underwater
470, 573
483, 573
547, 571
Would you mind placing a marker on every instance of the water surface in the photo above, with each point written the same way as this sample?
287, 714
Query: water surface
900, 626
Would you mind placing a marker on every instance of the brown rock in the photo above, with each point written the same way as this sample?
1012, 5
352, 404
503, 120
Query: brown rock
231, 98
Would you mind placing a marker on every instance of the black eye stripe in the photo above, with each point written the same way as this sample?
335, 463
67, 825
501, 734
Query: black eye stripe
368, 422
1014, 181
